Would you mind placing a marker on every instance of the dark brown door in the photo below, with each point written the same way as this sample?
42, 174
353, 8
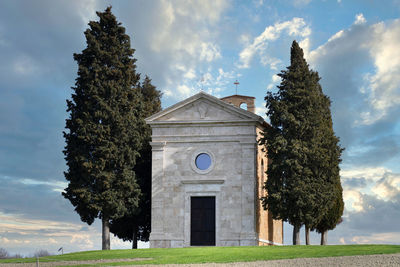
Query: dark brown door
202, 221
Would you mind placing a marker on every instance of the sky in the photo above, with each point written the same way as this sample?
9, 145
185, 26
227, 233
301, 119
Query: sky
187, 46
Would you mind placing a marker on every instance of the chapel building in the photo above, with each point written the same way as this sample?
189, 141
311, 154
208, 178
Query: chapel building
207, 175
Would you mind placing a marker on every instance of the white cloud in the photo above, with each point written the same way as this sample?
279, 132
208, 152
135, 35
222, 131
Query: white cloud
24, 235
56, 185
270, 61
360, 19
379, 183
380, 86
87, 10
15, 223
305, 44
167, 92
388, 187
384, 84
83, 241
190, 74
208, 10
294, 27
209, 52
370, 173
336, 35
24, 65
377, 238
9, 242
275, 80
185, 91
261, 111
353, 200
245, 39
52, 241
121, 244
185, 36
224, 77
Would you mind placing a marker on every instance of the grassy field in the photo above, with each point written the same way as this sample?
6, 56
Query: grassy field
219, 254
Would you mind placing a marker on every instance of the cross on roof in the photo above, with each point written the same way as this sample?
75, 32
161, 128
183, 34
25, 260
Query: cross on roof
236, 83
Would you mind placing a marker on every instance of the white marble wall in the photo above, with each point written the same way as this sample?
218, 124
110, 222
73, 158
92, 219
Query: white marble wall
231, 180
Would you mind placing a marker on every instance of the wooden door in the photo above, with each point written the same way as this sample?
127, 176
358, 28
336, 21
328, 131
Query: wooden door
202, 221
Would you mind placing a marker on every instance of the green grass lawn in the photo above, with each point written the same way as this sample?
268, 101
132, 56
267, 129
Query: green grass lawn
219, 254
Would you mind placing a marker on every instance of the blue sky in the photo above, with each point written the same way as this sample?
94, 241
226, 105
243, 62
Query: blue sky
185, 46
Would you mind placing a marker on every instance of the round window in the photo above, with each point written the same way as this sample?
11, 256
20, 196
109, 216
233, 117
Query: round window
203, 161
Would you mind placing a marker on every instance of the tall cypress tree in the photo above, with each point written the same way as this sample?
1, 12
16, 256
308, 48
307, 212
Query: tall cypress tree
334, 215
333, 152
105, 126
299, 141
136, 225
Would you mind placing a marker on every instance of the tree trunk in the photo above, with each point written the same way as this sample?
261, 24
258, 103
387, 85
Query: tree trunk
307, 235
105, 234
296, 234
134, 237
324, 236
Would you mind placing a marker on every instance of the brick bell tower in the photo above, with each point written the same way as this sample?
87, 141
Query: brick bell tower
238, 100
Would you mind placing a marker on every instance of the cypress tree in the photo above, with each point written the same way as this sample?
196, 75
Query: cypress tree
300, 180
333, 152
333, 217
105, 126
136, 225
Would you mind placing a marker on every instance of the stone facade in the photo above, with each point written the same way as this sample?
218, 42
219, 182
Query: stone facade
203, 124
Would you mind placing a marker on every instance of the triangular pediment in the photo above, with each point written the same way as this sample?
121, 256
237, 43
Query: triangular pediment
203, 107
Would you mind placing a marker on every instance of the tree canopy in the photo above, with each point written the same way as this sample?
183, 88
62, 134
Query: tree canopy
105, 126
302, 147
136, 224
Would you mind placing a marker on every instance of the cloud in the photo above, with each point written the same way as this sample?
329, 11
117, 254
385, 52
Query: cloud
377, 238
26, 197
21, 234
185, 91
371, 194
374, 151
378, 182
36, 72
24, 65
360, 19
209, 52
348, 50
301, 3
261, 111
355, 182
383, 86
376, 216
360, 70
294, 27
183, 33
372, 198
353, 200
83, 241
388, 187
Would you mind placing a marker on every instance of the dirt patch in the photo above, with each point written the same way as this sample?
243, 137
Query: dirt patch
63, 263
384, 260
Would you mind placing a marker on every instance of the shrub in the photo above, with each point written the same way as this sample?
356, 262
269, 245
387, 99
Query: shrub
3, 253
41, 253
